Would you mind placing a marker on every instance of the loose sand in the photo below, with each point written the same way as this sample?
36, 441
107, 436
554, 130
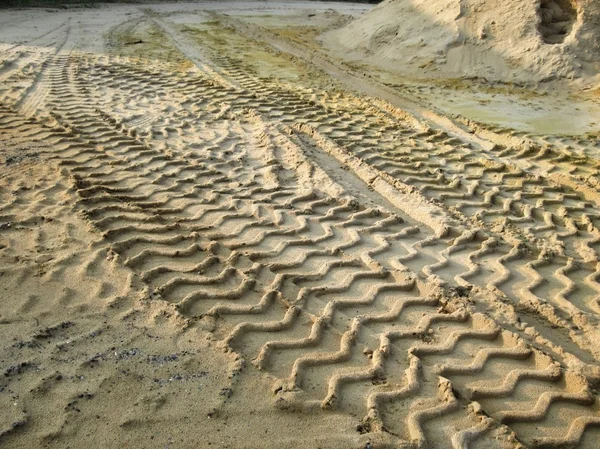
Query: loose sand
509, 41
222, 227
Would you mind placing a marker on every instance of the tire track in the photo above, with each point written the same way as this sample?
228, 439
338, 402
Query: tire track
524, 212
216, 203
301, 283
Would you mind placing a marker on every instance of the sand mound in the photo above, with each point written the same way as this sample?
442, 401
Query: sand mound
514, 40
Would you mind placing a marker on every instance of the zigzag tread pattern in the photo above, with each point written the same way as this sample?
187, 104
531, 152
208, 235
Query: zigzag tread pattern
313, 288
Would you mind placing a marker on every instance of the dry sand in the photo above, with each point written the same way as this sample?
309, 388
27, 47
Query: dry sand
220, 228
510, 41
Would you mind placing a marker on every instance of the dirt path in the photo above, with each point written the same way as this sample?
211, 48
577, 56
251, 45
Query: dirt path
276, 253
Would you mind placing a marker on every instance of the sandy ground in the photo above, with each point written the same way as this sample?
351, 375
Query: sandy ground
217, 232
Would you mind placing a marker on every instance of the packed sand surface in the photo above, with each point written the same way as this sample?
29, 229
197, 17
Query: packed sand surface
220, 226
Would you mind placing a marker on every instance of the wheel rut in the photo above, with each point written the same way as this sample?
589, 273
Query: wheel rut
229, 201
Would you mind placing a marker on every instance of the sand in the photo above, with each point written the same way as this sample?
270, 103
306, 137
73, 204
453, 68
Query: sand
511, 41
220, 228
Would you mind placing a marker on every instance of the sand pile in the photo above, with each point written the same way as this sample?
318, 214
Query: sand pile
512, 40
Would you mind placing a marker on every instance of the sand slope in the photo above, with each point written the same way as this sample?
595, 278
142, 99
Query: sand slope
514, 40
